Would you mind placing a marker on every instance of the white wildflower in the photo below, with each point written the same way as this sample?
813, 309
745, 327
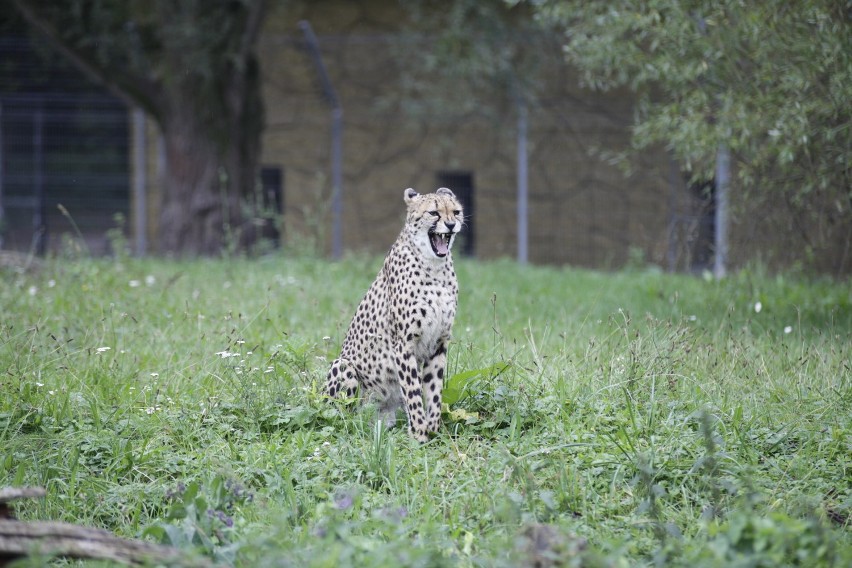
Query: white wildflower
102, 349
135, 283
155, 375
227, 354
51, 283
33, 290
757, 307
788, 329
150, 280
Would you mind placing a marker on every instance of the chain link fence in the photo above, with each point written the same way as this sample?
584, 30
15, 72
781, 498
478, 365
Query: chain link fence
65, 166
64, 151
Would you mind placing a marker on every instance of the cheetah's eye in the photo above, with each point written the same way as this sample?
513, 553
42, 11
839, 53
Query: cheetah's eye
456, 212
434, 213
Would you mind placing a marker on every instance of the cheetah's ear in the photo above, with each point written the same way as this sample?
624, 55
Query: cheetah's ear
445, 191
409, 194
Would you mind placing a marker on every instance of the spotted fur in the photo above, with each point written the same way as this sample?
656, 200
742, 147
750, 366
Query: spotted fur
396, 347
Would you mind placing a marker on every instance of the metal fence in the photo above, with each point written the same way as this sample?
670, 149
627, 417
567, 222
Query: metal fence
65, 168
64, 151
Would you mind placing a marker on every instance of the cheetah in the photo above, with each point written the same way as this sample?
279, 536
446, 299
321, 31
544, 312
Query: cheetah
395, 350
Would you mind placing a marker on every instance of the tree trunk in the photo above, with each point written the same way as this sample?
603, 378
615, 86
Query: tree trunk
197, 74
199, 201
208, 191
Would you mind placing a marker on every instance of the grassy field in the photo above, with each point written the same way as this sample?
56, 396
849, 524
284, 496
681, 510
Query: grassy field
595, 419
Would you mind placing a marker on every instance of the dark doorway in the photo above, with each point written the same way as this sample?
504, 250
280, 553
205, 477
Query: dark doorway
704, 245
461, 183
272, 185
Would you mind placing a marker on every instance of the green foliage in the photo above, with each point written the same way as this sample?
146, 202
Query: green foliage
202, 518
599, 419
150, 51
771, 80
460, 385
487, 52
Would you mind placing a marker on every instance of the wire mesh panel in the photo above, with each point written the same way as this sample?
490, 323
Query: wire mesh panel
65, 168
64, 150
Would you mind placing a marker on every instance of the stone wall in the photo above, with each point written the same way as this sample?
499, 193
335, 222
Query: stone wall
581, 209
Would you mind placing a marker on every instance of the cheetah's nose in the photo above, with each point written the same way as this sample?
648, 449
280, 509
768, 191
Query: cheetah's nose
449, 225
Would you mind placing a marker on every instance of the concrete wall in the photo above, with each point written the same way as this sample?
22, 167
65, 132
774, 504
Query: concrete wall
581, 209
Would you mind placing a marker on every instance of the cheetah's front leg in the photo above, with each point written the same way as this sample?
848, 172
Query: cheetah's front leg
433, 382
412, 394
342, 380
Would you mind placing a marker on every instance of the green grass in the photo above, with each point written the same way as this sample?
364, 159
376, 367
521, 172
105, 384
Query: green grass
615, 419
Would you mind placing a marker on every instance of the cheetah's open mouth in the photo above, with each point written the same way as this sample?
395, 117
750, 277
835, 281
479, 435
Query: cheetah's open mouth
440, 242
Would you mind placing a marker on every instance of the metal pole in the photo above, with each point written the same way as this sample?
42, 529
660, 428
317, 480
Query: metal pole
140, 194
675, 183
40, 212
336, 140
523, 215
723, 176
337, 182
2, 212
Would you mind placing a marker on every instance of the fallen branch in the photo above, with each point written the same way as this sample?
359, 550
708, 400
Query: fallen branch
23, 538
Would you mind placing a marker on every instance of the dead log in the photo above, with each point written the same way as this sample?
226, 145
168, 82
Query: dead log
23, 538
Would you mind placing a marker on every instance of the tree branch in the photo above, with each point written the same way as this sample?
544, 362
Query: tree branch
20, 538
254, 21
133, 89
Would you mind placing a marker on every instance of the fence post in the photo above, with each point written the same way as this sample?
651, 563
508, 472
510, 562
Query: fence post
2, 212
336, 140
723, 176
523, 189
40, 212
140, 194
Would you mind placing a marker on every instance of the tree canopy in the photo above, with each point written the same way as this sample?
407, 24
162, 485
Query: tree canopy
491, 52
191, 66
771, 80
